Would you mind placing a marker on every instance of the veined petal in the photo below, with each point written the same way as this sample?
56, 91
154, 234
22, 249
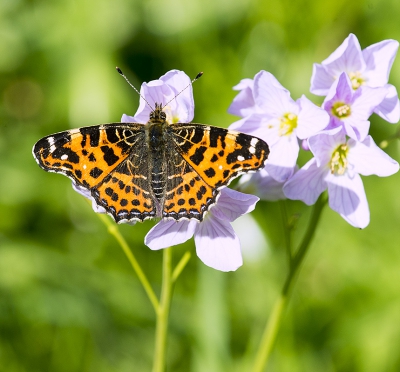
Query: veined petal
243, 104
321, 80
282, 158
379, 59
340, 91
262, 185
255, 125
366, 99
346, 58
367, 159
311, 118
356, 129
271, 96
347, 197
183, 102
307, 183
217, 245
389, 108
233, 204
168, 232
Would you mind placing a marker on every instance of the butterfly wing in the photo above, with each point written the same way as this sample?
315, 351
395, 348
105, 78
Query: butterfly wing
102, 159
187, 196
219, 155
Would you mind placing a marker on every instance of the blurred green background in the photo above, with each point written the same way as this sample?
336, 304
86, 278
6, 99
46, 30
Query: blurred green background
69, 300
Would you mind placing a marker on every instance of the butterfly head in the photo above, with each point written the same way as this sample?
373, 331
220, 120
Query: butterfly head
158, 114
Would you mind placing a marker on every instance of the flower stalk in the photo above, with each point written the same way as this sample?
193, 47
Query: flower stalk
275, 319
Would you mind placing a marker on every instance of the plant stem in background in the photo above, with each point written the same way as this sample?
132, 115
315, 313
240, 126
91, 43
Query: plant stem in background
163, 312
113, 230
275, 319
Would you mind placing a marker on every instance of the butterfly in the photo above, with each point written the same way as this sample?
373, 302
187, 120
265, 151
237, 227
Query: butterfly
155, 170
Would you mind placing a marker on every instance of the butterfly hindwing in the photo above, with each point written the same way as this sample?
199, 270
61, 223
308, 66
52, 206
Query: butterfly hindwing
219, 155
186, 194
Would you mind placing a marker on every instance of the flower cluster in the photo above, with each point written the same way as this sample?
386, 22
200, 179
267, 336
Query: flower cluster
355, 85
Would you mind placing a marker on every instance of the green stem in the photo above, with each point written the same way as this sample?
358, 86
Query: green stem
163, 313
286, 231
275, 319
113, 230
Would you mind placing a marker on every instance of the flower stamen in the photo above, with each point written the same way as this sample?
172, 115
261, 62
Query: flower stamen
338, 163
287, 124
341, 110
356, 79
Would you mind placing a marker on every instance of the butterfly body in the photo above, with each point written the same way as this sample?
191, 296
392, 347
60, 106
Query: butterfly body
141, 171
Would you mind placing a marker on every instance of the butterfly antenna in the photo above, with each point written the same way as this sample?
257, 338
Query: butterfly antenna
198, 76
134, 88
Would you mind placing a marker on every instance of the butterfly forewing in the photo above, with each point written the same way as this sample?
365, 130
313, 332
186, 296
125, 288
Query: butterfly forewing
219, 155
87, 155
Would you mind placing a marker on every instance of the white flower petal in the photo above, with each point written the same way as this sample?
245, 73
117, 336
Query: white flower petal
347, 58
217, 245
367, 159
282, 158
168, 233
233, 204
271, 96
366, 99
321, 80
379, 59
389, 108
243, 104
262, 185
255, 125
347, 197
311, 118
307, 183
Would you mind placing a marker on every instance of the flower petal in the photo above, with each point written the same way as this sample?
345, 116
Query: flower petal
389, 108
217, 245
347, 197
321, 80
282, 158
311, 118
243, 104
262, 185
346, 58
271, 96
379, 59
367, 159
169, 232
232, 204
307, 183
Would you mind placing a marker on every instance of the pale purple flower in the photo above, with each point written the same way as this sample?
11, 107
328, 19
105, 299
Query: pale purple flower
217, 244
336, 166
278, 119
369, 67
165, 90
351, 108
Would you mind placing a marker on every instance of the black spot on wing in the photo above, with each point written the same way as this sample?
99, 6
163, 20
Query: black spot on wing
198, 156
109, 156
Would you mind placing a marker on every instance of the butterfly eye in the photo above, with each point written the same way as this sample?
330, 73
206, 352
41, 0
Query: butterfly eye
163, 115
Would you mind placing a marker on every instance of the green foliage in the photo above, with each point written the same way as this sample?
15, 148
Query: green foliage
69, 300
